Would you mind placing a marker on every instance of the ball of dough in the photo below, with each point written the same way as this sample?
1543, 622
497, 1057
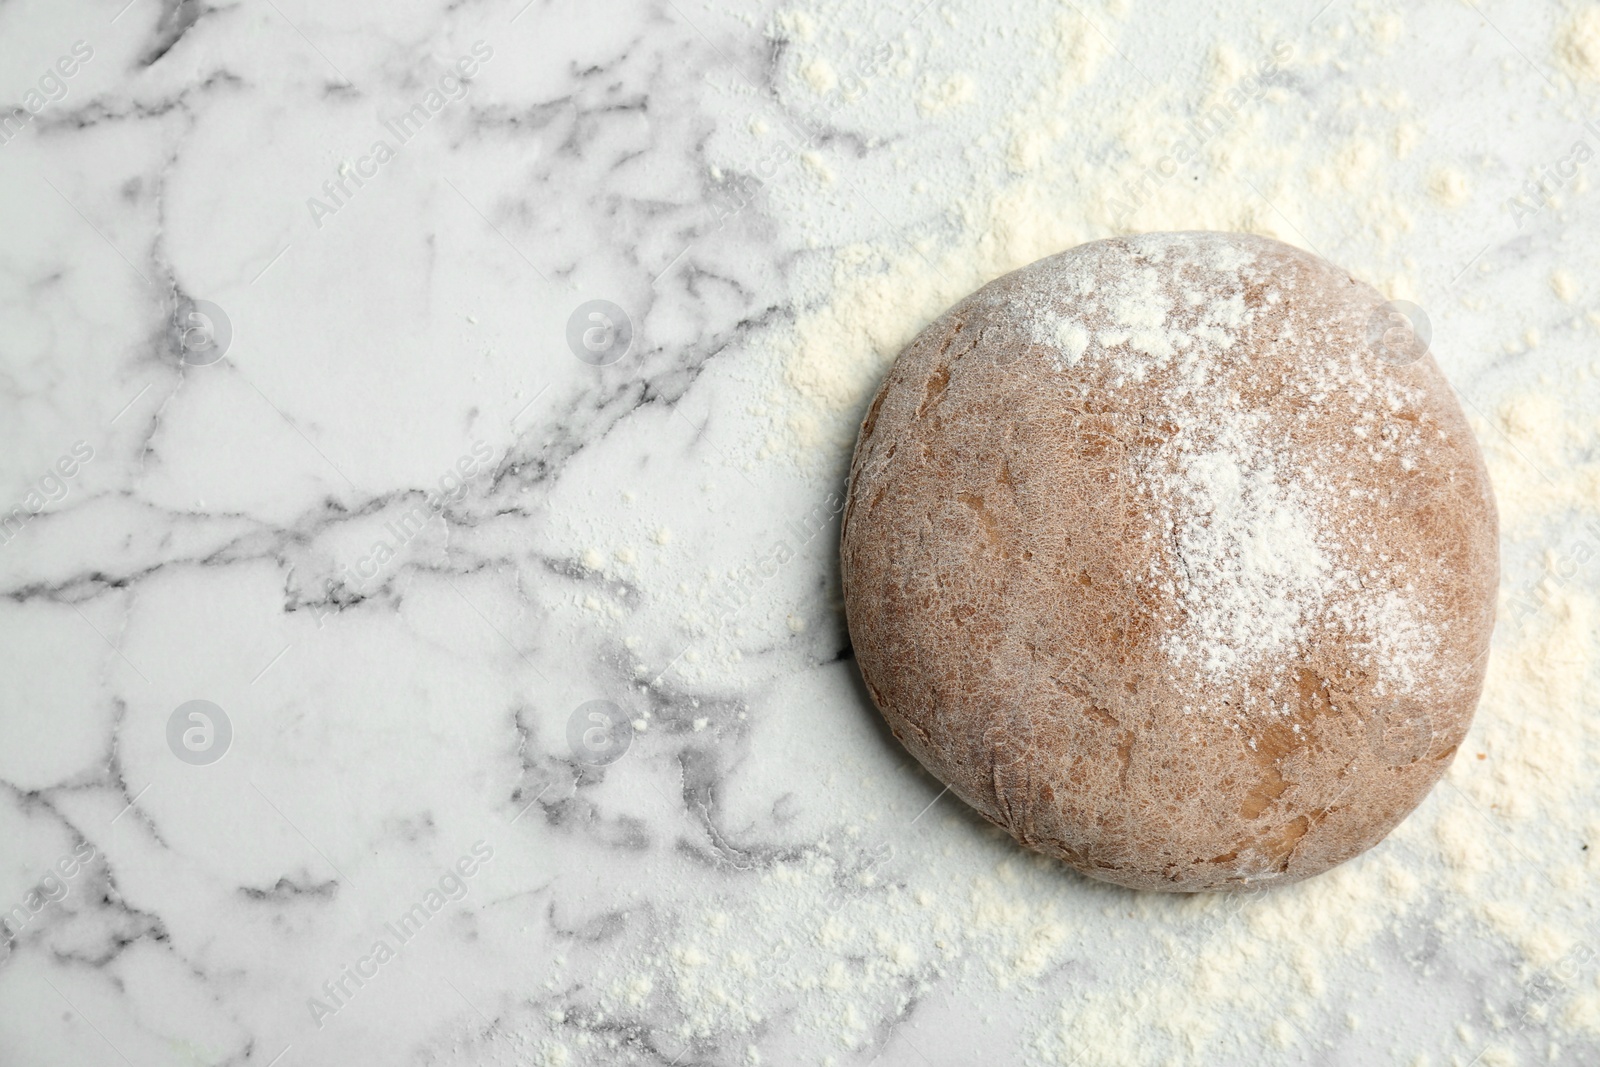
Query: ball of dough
1173, 559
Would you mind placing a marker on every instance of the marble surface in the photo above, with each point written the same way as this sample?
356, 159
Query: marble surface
366, 599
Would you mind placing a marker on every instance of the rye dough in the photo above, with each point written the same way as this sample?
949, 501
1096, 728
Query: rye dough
1175, 559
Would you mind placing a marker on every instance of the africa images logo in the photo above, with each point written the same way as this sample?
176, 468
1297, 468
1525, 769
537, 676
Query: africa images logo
51, 88
450, 87
452, 885
599, 333
52, 487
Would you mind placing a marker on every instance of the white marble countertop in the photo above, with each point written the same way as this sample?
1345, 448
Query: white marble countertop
367, 591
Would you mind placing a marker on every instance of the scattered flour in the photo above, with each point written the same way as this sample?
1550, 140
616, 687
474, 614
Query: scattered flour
1449, 187
1564, 286
1577, 47
1254, 574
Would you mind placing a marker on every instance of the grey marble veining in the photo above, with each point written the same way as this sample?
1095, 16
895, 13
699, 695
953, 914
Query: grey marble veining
353, 713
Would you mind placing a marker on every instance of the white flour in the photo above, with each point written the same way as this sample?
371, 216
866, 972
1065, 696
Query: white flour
1253, 573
